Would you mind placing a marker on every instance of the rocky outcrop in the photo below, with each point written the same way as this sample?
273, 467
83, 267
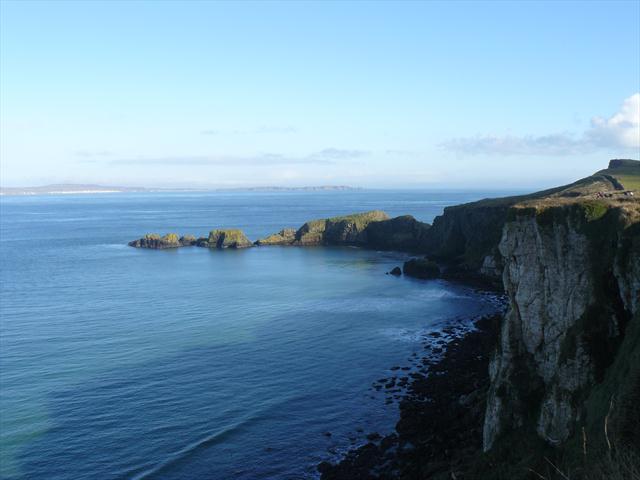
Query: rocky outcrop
572, 273
188, 240
285, 236
216, 239
421, 268
403, 233
155, 241
395, 271
345, 230
369, 230
231, 238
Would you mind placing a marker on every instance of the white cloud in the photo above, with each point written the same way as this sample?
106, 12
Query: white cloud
620, 132
555, 144
622, 129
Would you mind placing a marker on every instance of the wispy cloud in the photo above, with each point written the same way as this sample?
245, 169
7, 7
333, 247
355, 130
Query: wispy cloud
93, 153
262, 130
621, 131
338, 154
327, 156
260, 160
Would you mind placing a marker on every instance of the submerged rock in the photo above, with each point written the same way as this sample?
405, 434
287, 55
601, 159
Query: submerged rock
285, 236
421, 268
230, 238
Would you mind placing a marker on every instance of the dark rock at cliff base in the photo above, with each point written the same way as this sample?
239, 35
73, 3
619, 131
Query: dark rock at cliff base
230, 238
421, 268
285, 236
155, 241
396, 271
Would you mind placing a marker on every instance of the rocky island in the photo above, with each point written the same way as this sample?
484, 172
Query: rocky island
557, 379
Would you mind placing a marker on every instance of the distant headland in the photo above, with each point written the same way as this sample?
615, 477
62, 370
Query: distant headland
79, 189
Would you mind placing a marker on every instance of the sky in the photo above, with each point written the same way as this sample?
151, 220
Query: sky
368, 94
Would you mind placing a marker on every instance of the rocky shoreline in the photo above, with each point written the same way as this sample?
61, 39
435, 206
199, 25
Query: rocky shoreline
441, 412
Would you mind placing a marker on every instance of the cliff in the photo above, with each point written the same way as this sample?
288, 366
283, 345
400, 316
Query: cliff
467, 236
567, 359
572, 274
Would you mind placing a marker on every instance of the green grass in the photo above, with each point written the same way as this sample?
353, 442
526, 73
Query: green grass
627, 173
630, 182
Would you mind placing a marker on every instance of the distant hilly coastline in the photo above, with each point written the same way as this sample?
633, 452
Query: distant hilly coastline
79, 189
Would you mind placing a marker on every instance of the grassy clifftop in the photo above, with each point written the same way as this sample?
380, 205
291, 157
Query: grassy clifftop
468, 234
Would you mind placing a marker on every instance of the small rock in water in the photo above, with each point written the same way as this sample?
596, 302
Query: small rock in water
396, 272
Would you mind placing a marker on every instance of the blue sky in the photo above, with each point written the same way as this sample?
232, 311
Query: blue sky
457, 94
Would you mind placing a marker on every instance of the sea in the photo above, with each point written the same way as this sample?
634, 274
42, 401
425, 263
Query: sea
124, 363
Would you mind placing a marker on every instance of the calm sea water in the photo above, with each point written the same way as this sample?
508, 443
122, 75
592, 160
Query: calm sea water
124, 363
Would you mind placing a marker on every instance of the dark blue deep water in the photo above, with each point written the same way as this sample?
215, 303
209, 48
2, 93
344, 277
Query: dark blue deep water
124, 363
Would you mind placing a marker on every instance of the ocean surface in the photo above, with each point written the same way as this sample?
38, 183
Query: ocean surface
118, 362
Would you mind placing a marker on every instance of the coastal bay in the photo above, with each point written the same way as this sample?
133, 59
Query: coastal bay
197, 361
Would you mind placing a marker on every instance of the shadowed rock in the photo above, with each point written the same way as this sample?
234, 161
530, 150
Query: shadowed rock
399, 233
421, 268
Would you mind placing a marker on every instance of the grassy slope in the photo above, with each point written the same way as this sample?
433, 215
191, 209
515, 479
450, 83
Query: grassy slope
627, 173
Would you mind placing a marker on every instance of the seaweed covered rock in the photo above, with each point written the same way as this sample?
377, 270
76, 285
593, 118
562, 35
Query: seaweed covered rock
230, 238
285, 236
155, 241
421, 268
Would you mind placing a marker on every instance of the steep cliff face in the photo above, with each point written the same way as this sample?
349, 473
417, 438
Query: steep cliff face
572, 273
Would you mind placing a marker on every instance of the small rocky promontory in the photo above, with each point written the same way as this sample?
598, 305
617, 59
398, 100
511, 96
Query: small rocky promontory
285, 236
373, 229
231, 238
155, 241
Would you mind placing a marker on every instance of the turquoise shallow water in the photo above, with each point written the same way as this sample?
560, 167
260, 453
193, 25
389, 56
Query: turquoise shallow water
124, 363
